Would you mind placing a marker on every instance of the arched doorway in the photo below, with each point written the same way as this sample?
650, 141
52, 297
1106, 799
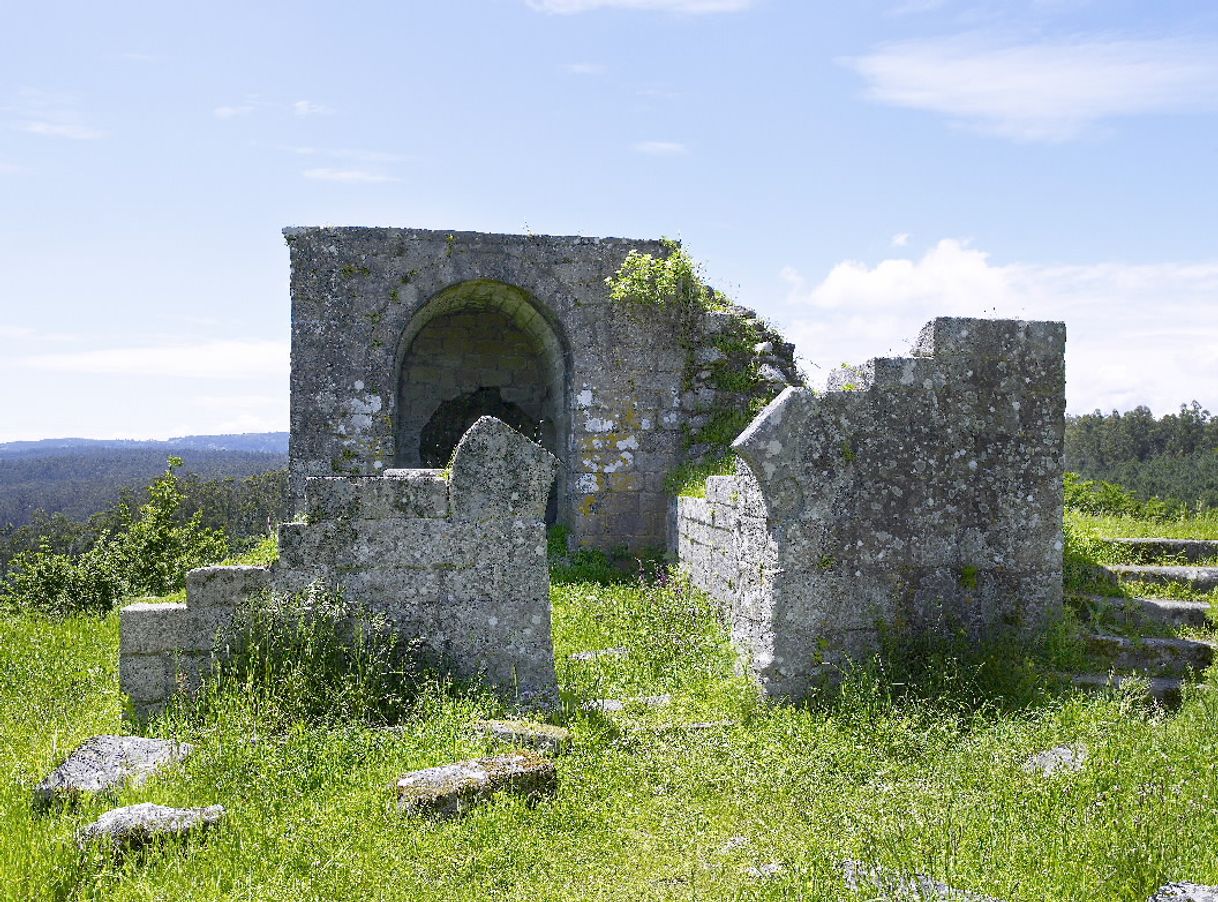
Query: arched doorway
480, 348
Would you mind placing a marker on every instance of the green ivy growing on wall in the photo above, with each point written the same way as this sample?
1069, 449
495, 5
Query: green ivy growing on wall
674, 282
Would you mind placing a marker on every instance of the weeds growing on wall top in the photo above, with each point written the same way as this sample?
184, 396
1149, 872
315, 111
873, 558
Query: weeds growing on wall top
674, 280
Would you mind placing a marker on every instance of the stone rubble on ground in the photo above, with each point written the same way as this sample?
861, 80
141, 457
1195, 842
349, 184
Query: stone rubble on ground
451, 789
105, 763
603, 705
1185, 892
135, 826
542, 737
1059, 758
617, 652
765, 871
895, 885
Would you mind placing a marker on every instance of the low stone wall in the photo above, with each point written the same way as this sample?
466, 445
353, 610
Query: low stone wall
458, 562
919, 495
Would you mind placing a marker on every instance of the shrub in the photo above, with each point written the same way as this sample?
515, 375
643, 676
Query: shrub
148, 554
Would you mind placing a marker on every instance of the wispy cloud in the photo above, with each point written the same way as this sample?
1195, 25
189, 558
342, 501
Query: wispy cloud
900, 239
222, 360
661, 148
51, 115
690, 7
1139, 333
351, 176
1043, 91
585, 68
233, 112
349, 153
309, 108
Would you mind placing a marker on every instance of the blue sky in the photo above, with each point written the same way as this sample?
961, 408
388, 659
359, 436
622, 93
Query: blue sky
848, 170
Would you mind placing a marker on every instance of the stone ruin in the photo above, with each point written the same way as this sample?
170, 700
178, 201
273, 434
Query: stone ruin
457, 560
918, 495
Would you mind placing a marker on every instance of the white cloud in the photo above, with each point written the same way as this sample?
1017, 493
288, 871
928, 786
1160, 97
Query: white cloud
1046, 91
692, 7
224, 360
350, 176
900, 239
585, 68
51, 115
1138, 333
308, 108
661, 148
349, 153
232, 112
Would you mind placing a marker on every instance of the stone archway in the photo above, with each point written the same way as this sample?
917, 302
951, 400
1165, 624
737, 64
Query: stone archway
480, 348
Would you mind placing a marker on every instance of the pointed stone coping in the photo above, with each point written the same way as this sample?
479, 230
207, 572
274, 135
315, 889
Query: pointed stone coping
892, 884
136, 826
1160, 611
541, 737
1202, 579
106, 763
451, 789
1152, 655
1164, 690
1185, 892
1147, 551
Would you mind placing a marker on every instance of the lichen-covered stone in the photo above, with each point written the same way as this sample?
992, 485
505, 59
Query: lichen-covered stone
453, 788
922, 496
135, 826
541, 737
1062, 758
106, 764
1185, 892
891, 884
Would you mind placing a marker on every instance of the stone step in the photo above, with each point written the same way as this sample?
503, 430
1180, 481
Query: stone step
1136, 612
1202, 579
1163, 690
1151, 655
1150, 551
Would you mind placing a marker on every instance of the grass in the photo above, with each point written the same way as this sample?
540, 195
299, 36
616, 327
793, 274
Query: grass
915, 766
1192, 526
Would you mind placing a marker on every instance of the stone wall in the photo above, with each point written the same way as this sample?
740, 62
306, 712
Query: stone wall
374, 356
458, 562
919, 495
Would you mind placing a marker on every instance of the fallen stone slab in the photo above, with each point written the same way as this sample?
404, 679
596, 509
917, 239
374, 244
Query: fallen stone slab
603, 705
1152, 655
1059, 758
542, 737
451, 789
896, 885
1185, 892
618, 652
106, 763
136, 826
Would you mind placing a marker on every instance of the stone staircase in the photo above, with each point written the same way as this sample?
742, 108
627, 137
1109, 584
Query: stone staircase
1139, 637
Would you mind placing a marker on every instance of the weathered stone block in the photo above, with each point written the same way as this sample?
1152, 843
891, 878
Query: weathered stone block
541, 737
107, 763
223, 586
136, 826
451, 789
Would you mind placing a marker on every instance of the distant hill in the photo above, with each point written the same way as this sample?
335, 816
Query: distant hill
79, 477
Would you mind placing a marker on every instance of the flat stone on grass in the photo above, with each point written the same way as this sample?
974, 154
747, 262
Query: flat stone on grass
136, 826
1185, 892
891, 884
542, 737
105, 763
603, 705
451, 789
1059, 758
618, 652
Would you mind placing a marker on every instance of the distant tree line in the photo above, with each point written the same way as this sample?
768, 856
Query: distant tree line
1172, 457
